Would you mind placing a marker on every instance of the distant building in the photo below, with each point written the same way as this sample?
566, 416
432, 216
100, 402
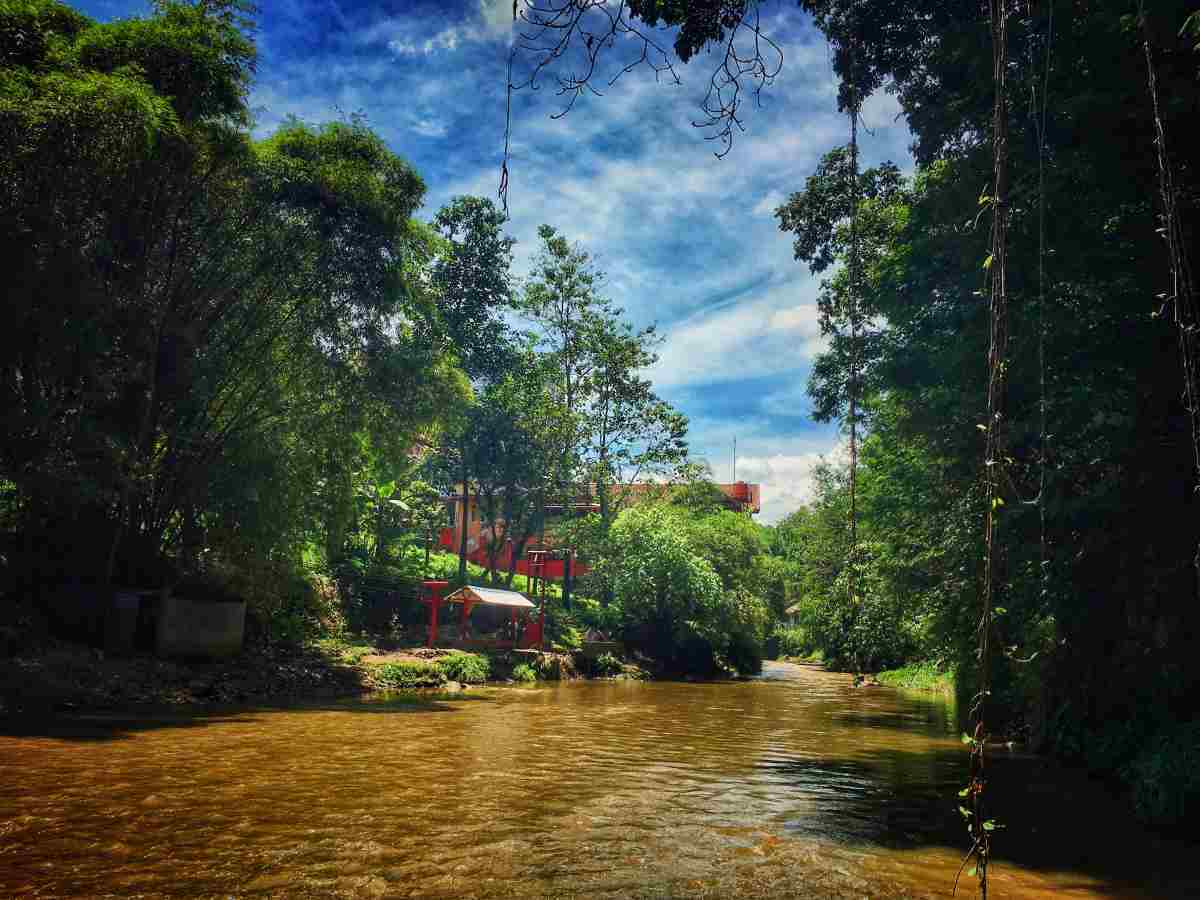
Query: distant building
740, 497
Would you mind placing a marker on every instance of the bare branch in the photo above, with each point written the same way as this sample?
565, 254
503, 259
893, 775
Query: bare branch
553, 33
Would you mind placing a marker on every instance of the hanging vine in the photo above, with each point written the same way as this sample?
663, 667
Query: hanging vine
979, 826
1182, 296
1038, 107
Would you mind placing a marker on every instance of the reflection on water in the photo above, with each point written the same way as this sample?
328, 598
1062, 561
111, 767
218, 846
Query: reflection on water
794, 785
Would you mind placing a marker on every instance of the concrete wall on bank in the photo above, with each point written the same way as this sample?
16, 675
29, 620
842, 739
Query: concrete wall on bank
195, 628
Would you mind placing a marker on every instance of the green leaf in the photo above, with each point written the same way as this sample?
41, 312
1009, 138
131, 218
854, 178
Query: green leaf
971, 871
989, 825
987, 263
967, 739
964, 792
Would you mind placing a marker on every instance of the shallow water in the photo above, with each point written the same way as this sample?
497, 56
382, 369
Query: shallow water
793, 785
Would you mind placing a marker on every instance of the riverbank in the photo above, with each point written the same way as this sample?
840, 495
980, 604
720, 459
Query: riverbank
52, 675
925, 677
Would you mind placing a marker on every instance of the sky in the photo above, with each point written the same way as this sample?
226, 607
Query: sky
687, 241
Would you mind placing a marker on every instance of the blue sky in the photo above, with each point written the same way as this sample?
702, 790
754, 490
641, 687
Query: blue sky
687, 241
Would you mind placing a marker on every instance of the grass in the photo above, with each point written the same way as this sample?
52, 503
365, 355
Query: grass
924, 676
445, 565
524, 672
407, 674
467, 668
816, 657
349, 649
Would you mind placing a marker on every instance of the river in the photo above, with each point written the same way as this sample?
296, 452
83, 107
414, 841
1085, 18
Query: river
792, 785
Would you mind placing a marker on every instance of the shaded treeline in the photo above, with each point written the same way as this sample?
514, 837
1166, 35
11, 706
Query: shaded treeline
1097, 515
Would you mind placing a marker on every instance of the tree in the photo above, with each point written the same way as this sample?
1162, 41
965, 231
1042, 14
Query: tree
191, 302
612, 426
511, 445
668, 595
631, 434
472, 286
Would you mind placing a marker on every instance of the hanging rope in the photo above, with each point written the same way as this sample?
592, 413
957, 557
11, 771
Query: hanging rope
1038, 109
979, 826
1183, 293
508, 95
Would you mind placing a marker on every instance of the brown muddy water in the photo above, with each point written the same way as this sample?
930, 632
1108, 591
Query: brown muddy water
792, 785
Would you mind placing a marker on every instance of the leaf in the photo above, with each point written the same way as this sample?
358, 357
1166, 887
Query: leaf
971, 871
967, 739
964, 792
987, 263
989, 825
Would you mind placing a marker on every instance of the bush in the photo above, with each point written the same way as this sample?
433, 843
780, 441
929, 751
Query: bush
744, 653
923, 676
793, 640
282, 603
1165, 777
408, 674
468, 668
524, 672
607, 666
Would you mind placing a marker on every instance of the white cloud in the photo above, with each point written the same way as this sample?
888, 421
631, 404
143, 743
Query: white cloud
881, 110
491, 22
429, 128
771, 201
786, 481
773, 332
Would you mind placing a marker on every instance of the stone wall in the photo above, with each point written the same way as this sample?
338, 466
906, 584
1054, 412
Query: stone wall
193, 628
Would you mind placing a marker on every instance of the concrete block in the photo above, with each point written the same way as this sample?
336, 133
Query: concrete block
197, 628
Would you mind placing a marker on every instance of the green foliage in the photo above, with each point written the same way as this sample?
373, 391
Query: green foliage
606, 666
407, 674
670, 602
524, 672
569, 638
924, 676
1165, 776
731, 542
467, 668
793, 641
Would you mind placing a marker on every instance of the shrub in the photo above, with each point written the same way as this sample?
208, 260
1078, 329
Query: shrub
923, 676
744, 654
468, 668
407, 674
524, 672
793, 640
1165, 777
606, 666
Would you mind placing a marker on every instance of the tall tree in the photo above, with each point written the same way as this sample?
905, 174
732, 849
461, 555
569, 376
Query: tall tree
472, 283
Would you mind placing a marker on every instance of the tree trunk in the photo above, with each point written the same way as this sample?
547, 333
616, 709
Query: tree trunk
462, 544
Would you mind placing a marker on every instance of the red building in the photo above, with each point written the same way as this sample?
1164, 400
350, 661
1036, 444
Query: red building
740, 497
